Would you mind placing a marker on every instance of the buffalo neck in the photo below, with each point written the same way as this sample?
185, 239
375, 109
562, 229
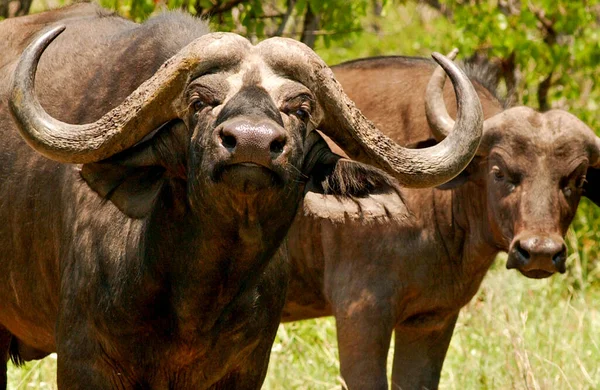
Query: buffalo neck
469, 215
206, 260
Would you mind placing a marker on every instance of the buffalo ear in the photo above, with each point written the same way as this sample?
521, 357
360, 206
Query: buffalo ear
422, 144
331, 174
591, 188
132, 180
459, 180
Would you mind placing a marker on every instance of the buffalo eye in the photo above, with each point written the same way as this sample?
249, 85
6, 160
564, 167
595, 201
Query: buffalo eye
199, 105
500, 177
510, 186
199, 102
302, 114
577, 185
497, 172
300, 107
571, 185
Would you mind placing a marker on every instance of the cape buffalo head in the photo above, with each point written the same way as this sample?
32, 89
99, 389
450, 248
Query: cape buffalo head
231, 120
532, 169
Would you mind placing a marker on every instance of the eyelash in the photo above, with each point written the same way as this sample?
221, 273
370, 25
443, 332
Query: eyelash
303, 110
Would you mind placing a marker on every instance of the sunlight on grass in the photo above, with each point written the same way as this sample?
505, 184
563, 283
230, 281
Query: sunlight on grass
39, 375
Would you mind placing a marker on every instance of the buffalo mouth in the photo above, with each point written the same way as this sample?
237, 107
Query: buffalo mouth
515, 260
536, 273
249, 178
537, 258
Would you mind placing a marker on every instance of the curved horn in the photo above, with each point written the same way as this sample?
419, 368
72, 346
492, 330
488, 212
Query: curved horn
346, 125
439, 120
146, 108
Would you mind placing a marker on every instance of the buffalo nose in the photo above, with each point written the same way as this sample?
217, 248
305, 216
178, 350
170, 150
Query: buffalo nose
541, 253
247, 142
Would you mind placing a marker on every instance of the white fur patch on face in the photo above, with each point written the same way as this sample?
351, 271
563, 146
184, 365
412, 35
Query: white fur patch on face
254, 70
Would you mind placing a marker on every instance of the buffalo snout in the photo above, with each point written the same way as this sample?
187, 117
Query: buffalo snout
260, 142
253, 153
538, 256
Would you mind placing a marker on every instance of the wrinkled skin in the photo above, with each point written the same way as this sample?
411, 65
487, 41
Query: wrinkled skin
153, 268
408, 260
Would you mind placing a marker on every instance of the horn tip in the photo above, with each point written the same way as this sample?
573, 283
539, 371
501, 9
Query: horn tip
439, 58
55, 31
453, 53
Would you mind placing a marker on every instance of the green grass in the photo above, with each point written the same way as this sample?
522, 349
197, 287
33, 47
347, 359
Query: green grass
515, 334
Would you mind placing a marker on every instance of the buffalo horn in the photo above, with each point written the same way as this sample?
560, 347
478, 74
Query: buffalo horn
361, 140
439, 120
145, 109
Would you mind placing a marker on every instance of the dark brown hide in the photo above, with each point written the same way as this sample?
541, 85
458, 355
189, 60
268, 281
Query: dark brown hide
408, 262
153, 268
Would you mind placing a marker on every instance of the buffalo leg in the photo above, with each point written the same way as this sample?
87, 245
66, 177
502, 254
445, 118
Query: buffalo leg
5, 338
254, 369
253, 374
80, 375
419, 355
364, 334
83, 365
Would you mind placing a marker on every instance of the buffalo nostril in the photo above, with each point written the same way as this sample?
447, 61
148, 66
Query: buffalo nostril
277, 146
523, 253
560, 257
228, 141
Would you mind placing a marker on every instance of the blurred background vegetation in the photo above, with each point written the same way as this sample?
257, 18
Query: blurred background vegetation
516, 333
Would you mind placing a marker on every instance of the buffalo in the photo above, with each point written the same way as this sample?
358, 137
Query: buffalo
144, 194
407, 260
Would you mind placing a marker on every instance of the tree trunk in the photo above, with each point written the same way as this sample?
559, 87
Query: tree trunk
310, 27
542, 92
24, 7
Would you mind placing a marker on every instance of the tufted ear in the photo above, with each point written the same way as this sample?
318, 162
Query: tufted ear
591, 189
133, 179
330, 174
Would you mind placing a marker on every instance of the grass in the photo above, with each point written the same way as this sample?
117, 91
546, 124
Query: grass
516, 333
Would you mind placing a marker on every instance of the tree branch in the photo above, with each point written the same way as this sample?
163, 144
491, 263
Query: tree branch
4, 9
286, 17
546, 24
18, 8
221, 8
442, 8
509, 7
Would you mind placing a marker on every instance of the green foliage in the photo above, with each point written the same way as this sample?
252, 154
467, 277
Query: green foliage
260, 19
548, 37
